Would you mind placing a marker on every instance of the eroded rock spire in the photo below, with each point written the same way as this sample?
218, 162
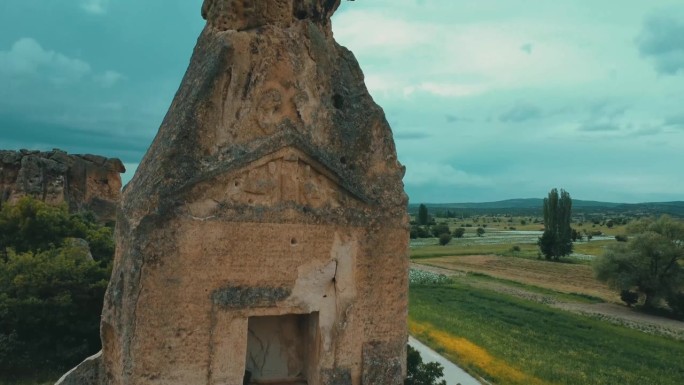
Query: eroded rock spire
264, 236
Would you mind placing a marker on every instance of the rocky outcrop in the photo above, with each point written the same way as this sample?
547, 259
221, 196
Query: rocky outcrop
83, 182
265, 233
87, 372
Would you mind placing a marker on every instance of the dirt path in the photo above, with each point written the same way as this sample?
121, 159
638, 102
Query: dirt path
610, 312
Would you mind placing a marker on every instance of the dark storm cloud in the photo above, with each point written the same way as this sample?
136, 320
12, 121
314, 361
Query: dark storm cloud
520, 113
662, 40
19, 132
91, 76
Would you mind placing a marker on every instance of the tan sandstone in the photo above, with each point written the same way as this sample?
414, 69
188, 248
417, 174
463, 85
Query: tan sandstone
82, 182
265, 230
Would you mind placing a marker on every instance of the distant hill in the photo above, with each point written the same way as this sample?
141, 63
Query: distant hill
533, 206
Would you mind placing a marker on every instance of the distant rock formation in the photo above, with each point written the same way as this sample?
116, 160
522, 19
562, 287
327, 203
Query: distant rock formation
83, 182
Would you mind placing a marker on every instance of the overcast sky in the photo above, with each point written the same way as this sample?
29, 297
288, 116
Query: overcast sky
488, 99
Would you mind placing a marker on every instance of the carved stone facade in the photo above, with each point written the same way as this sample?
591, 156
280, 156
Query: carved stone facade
264, 237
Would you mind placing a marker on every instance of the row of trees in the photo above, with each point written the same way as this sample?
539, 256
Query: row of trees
54, 269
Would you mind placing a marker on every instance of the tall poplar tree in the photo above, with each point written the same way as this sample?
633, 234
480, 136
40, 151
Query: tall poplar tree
422, 215
556, 241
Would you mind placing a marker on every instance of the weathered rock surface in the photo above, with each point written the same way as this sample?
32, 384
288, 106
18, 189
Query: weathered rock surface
87, 372
265, 230
83, 182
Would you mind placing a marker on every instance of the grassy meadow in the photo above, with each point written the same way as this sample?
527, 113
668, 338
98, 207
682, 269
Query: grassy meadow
508, 340
479, 320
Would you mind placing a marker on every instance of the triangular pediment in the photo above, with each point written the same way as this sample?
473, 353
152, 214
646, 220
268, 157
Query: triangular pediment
286, 176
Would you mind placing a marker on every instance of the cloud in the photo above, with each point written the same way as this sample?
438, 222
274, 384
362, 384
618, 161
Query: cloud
661, 40
369, 31
96, 7
411, 135
432, 174
109, 78
27, 57
599, 127
648, 131
445, 89
527, 48
455, 119
676, 121
520, 113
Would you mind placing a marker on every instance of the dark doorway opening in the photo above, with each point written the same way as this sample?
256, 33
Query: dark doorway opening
281, 350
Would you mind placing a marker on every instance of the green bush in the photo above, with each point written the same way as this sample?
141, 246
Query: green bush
419, 232
650, 263
52, 284
439, 229
420, 373
444, 239
629, 297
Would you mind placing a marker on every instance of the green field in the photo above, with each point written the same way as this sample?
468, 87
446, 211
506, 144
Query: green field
508, 340
501, 243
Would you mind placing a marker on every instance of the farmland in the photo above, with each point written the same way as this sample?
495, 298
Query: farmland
508, 340
504, 313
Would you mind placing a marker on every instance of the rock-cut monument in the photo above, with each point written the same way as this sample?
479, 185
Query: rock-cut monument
264, 236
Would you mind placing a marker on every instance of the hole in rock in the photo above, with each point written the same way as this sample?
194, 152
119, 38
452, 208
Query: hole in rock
301, 14
338, 101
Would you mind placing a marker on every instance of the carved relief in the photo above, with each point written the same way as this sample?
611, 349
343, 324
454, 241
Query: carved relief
269, 111
285, 176
289, 177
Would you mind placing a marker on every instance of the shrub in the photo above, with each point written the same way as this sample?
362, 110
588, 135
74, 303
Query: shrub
439, 229
621, 238
419, 232
54, 268
676, 303
459, 232
480, 231
515, 249
629, 297
51, 306
576, 235
444, 239
420, 373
